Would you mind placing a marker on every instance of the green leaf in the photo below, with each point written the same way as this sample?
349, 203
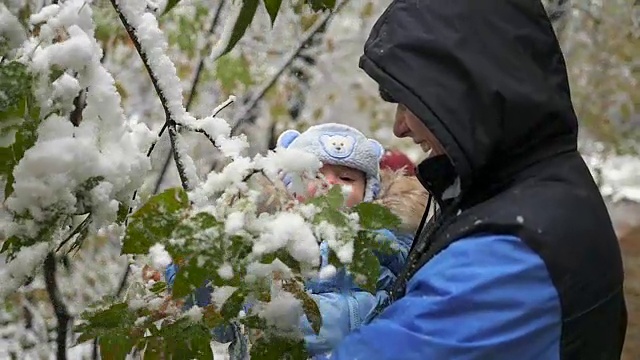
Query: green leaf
12, 245
170, 5
374, 216
19, 117
365, 264
189, 277
272, 6
184, 339
194, 230
113, 328
320, 5
114, 316
334, 198
154, 349
239, 249
254, 322
158, 287
329, 205
155, 221
233, 305
284, 256
278, 348
211, 316
115, 347
123, 212
309, 306
332, 216
16, 83
247, 12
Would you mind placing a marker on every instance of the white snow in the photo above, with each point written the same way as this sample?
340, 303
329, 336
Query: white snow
225, 271
327, 272
234, 222
232, 147
194, 314
160, 258
289, 230
283, 311
13, 274
220, 294
10, 27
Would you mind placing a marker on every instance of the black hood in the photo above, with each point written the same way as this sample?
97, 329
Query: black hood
487, 77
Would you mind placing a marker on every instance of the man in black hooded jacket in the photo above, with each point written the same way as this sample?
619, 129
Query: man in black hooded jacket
521, 260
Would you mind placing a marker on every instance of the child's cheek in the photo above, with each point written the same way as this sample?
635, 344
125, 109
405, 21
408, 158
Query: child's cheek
352, 200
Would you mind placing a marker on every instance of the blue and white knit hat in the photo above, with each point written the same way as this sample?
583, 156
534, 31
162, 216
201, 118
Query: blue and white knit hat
339, 144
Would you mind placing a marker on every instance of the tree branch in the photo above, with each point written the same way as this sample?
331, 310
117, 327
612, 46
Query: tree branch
557, 10
170, 122
59, 307
258, 95
194, 86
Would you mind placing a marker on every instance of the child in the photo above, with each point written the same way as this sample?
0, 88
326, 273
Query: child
350, 159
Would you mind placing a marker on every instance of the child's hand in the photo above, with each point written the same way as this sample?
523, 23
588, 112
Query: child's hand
149, 273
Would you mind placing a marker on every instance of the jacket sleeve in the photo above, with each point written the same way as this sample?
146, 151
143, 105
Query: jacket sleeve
170, 274
391, 264
487, 297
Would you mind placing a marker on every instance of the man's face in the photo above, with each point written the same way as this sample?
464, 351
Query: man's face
408, 125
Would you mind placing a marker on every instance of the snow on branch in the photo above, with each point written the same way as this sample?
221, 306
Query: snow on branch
150, 44
194, 86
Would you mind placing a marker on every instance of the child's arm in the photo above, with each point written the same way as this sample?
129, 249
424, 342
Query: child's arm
391, 264
341, 313
345, 311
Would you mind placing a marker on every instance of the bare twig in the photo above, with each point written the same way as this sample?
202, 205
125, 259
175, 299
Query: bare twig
170, 122
59, 307
258, 95
79, 229
79, 104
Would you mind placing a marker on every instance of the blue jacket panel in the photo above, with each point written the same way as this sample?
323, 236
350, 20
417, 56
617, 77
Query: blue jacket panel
487, 297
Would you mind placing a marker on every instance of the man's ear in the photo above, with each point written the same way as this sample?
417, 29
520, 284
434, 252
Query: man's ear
377, 147
286, 138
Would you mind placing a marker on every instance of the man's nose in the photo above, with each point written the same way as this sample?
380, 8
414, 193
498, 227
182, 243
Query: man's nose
400, 128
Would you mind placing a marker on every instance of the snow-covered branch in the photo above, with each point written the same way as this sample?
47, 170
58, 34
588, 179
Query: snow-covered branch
148, 40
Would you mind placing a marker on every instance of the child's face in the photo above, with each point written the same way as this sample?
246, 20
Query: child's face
342, 175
